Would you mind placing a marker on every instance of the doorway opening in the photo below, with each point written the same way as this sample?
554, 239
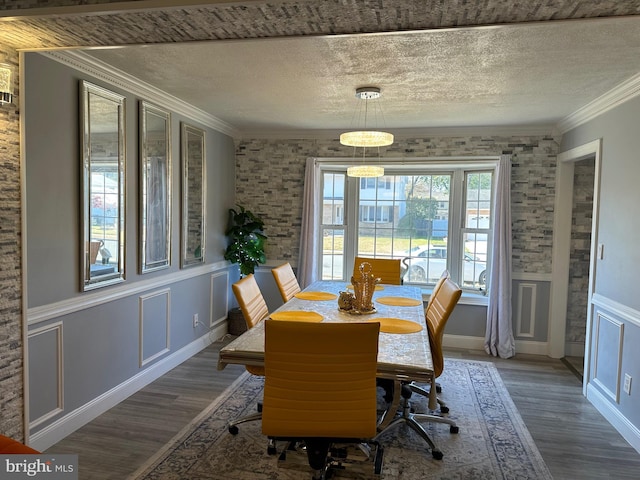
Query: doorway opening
574, 253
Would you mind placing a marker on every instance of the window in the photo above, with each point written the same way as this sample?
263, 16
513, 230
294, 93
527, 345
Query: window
332, 227
373, 213
433, 218
373, 183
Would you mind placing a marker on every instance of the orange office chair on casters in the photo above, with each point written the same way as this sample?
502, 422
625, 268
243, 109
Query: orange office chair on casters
388, 269
286, 281
254, 309
443, 300
320, 391
437, 314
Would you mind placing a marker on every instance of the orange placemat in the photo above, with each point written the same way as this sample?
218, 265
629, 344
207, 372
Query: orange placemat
297, 316
378, 287
316, 296
399, 301
397, 325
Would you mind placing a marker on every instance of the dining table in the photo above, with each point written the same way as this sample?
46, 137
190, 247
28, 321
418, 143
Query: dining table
404, 353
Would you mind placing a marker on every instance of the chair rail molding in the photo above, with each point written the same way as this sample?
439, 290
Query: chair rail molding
88, 300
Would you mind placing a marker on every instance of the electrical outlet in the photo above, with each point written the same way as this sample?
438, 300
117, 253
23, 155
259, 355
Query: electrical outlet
627, 384
195, 320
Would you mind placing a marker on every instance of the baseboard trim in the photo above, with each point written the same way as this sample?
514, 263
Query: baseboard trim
532, 348
477, 343
72, 421
463, 341
574, 349
629, 431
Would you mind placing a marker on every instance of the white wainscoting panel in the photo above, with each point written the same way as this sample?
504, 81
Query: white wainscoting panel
608, 355
75, 419
526, 310
47, 373
219, 297
155, 325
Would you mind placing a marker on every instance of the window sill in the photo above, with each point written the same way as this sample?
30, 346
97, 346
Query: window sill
467, 298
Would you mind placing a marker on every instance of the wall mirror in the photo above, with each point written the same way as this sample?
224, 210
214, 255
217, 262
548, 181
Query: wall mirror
193, 195
155, 188
103, 186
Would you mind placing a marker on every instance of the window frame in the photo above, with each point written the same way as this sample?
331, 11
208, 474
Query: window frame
458, 167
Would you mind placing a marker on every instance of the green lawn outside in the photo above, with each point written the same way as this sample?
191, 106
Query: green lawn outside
382, 245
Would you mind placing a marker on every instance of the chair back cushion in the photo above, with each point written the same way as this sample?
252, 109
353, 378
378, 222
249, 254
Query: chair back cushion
249, 297
320, 379
387, 269
436, 289
286, 281
438, 312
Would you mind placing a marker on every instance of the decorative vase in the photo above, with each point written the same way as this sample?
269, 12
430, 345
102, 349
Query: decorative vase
363, 287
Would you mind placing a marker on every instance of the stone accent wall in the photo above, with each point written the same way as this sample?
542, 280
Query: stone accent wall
11, 345
260, 19
583, 178
270, 174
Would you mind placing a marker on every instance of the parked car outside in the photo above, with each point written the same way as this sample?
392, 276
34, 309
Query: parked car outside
426, 264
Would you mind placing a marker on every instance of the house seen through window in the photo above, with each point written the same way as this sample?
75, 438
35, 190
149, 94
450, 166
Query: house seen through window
431, 219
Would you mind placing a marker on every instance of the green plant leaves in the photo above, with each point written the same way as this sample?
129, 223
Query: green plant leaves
246, 236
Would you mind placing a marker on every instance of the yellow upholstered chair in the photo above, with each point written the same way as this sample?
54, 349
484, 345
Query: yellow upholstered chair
441, 304
254, 309
320, 388
286, 281
444, 299
250, 299
436, 289
387, 269
437, 314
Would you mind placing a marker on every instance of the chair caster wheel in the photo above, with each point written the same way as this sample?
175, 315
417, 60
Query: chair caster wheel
437, 454
260, 407
438, 389
444, 409
377, 469
453, 429
233, 430
271, 450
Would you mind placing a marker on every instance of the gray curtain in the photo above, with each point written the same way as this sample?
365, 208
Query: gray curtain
308, 261
499, 335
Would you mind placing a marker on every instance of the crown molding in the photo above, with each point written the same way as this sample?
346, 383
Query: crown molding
99, 69
622, 93
408, 133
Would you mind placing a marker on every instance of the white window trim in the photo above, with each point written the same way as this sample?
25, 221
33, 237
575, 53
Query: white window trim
406, 166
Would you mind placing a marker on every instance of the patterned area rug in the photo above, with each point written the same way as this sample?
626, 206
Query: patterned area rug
493, 442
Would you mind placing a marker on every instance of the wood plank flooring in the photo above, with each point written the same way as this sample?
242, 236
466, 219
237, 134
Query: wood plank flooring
575, 441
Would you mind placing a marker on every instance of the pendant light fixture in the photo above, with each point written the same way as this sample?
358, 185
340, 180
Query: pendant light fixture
366, 138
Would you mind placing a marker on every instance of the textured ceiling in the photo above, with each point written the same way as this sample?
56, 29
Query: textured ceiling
304, 76
529, 74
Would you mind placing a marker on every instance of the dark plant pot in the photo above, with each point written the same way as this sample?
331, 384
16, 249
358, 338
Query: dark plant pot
235, 322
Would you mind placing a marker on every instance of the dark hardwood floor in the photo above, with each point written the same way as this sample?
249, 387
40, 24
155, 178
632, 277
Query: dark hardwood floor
575, 441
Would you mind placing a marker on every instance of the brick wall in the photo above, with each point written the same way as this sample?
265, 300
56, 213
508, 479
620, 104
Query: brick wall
11, 345
583, 177
270, 173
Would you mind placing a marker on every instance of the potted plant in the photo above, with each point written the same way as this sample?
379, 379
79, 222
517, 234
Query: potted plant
246, 240
246, 236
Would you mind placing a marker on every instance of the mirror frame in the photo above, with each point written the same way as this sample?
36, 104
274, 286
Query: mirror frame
96, 275
193, 199
155, 189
